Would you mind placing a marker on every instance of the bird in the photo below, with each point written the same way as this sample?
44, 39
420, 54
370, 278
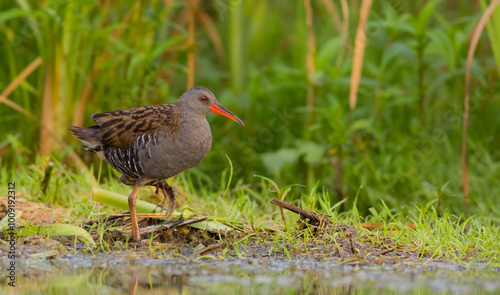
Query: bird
151, 144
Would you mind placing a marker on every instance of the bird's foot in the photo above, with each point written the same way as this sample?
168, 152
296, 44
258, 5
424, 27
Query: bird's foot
168, 191
136, 237
181, 220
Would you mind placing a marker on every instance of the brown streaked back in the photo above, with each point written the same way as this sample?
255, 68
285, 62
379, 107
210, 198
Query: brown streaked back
121, 128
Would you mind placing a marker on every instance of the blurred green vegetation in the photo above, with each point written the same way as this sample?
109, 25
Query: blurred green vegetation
401, 143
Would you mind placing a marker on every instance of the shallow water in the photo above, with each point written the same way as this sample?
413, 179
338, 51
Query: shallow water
118, 275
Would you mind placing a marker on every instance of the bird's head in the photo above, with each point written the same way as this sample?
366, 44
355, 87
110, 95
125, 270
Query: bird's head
201, 101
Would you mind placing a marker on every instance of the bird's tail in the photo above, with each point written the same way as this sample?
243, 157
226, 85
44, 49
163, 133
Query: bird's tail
89, 137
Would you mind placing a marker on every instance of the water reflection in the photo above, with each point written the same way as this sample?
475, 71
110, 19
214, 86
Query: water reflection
243, 277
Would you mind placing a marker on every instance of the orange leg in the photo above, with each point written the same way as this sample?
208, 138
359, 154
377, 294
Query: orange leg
133, 213
159, 186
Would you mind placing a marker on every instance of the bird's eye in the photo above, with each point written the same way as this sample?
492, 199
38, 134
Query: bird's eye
203, 98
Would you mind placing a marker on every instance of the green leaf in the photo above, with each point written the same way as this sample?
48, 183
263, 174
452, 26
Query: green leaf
122, 46
134, 63
395, 50
5, 221
327, 50
424, 16
274, 161
272, 182
287, 189
121, 201
13, 13
442, 46
55, 230
166, 44
230, 176
90, 3
312, 152
360, 124
211, 226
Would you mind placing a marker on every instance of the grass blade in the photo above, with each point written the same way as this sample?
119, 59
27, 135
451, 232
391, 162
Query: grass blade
121, 201
55, 230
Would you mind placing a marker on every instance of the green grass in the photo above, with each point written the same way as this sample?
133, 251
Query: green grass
446, 236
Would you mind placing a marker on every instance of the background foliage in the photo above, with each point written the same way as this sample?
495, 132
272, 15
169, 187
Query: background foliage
289, 83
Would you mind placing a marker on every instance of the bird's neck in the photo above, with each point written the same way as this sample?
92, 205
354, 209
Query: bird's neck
195, 132
188, 117
193, 122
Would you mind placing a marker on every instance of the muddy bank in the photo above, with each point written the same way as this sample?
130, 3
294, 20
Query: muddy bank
315, 237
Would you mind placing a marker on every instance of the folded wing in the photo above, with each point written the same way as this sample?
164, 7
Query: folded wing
120, 128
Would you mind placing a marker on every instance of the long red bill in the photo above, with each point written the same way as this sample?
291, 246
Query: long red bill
219, 109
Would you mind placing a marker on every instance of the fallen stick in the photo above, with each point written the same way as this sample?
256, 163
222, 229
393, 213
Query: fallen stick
295, 209
153, 228
314, 217
210, 249
387, 251
107, 218
154, 215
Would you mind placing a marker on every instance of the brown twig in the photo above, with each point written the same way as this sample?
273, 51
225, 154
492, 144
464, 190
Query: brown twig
22, 76
13, 85
387, 251
107, 218
150, 229
314, 217
295, 209
210, 249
